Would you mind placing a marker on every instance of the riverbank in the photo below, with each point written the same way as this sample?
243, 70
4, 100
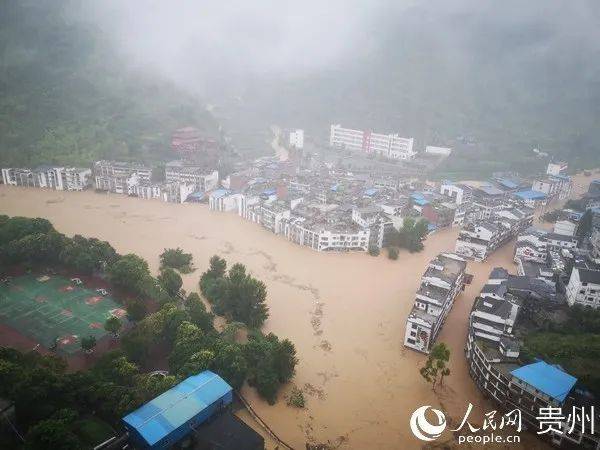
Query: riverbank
344, 312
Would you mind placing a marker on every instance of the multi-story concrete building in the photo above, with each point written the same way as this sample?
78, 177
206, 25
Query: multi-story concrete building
297, 139
459, 193
273, 215
479, 238
49, 177
181, 172
493, 350
387, 145
532, 245
555, 187
565, 227
443, 280
120, 177
584, 288
327, 237
595, 245
168, 192
380, 225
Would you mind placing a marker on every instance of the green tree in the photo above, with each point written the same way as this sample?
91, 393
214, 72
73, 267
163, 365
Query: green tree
88, 255
54, 433
198, 362
170, 281
175, 258
136, 310
113, 325
16, 228
189, 340
270, 363
198, 313
435, 368
218, 267
243, 298
131, 272
88, 343
230, 363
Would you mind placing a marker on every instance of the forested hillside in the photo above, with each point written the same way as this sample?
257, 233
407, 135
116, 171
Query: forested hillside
68, 97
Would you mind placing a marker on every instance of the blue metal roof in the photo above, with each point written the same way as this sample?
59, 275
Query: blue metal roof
419, 198
270, 191
490, 190
370, 192
219, 193
173, 408
508, 183
531, 195
546, 378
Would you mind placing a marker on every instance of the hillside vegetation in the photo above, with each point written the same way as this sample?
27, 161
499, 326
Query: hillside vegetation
68, 97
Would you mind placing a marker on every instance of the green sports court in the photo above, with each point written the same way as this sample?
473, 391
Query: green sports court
54, 311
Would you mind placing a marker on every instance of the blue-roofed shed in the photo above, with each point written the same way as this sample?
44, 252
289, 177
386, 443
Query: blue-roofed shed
547, 379
509, 184
171, 416
370, 192
531, 195
419, 199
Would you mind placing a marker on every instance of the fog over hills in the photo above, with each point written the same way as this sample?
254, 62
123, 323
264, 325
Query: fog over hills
507, 76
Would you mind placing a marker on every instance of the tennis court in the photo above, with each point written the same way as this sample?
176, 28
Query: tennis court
54, 311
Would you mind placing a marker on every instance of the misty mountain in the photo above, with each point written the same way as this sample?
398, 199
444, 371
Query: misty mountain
81, 80
66, 95
508, 85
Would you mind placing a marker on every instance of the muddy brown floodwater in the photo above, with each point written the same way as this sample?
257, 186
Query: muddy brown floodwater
344, 312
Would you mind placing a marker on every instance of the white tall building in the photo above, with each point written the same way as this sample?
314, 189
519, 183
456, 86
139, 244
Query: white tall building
584, 288
120, 177
50, 177
440, 285
297, 139
387, 145
180, 172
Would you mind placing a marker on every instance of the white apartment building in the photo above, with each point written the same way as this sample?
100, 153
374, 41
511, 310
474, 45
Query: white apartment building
297, 139
554, 186
387, 145
441, 283
324, 237
532, 245
76, 179
167, 192
49, 177
557, 168
273, 215
226, 201
565, 227
178, 171
595, 245
477, 240
459, 193
584, 288
120, 177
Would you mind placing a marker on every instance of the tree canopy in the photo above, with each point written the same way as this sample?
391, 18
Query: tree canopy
236, 295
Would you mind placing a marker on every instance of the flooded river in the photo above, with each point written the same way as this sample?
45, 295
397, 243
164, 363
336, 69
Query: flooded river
344, 312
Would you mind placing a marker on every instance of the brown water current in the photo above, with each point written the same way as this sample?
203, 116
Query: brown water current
345, 313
